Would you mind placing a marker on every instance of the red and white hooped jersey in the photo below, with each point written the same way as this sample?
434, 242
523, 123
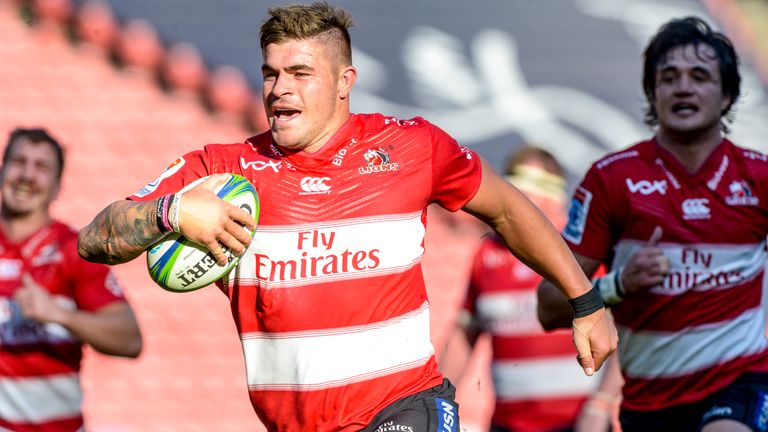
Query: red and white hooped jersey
705, 324
538, 384
40, 363
329, 298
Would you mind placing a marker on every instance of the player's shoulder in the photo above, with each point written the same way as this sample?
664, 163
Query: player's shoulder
63, 235
754, 160
377, 121
241, 156
626, 158
62, 230
262, 140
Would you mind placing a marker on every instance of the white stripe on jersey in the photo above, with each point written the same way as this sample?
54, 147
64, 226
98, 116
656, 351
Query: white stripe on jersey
701, 267
40, 399
648, 354
329, 358
295, 255
540, 378
509, 313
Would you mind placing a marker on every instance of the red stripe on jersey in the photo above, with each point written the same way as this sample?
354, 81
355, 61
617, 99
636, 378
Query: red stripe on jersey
60, 425
296, 308
651, 312
528, 415
344, 409
659, 393
32, 361
533, 347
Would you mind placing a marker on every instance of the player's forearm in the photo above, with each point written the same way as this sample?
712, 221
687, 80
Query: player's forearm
113, 330
120, 233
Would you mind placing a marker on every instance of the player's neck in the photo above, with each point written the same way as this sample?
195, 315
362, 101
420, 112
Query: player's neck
20, 227
690, 149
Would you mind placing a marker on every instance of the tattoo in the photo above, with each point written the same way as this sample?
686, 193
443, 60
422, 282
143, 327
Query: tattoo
120, 233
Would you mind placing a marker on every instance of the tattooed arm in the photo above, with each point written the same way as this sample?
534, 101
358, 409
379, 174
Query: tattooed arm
120, 233
125, 229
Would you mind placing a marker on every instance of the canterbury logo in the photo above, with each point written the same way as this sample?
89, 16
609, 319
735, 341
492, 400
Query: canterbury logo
646, 187
315, 185
696, 208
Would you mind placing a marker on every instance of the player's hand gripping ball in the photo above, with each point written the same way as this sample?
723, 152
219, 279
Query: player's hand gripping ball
180, 265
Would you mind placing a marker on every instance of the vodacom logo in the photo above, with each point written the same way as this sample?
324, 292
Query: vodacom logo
646, 187
315, 185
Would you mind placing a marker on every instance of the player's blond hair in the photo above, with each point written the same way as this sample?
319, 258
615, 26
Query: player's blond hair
317, 20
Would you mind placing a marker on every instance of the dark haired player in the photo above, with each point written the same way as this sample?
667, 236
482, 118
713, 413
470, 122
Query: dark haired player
681, 221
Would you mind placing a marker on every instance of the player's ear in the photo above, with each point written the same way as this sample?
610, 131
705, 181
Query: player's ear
347, 78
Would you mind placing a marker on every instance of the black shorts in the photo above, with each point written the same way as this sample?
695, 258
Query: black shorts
745, 400
432, 410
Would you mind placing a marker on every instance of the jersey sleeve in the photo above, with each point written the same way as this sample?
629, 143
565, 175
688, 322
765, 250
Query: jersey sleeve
456, 171
181, 172
94, 285
589, 231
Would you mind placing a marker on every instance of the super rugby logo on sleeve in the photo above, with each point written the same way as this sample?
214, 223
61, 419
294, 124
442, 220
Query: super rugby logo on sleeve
577, 215
152, 186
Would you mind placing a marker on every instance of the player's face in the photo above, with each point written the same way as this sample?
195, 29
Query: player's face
29, 178
688, 94
305, 93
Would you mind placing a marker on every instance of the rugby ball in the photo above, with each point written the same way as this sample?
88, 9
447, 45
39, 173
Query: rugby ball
180, 265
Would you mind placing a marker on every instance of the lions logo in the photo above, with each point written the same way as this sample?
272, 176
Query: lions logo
741, 195
377, 161
376, 157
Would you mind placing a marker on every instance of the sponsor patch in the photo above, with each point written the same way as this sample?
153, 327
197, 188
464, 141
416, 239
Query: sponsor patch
741, 194
717, 411
48, 254
391, 426
259, 165
618, 156
377, 160
113, 285
715, 180
761, 414
467, 152
577, 215
647, 187
10, 269
696, 209
447, 417
152, 186
315, 186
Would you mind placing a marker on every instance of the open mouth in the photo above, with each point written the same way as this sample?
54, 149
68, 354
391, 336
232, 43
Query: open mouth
285, 114
684, 108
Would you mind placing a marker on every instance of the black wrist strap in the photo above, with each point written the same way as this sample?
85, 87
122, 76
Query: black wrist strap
587, 303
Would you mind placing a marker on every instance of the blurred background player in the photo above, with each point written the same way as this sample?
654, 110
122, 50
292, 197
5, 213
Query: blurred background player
681, 221
534, 379
51, 300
